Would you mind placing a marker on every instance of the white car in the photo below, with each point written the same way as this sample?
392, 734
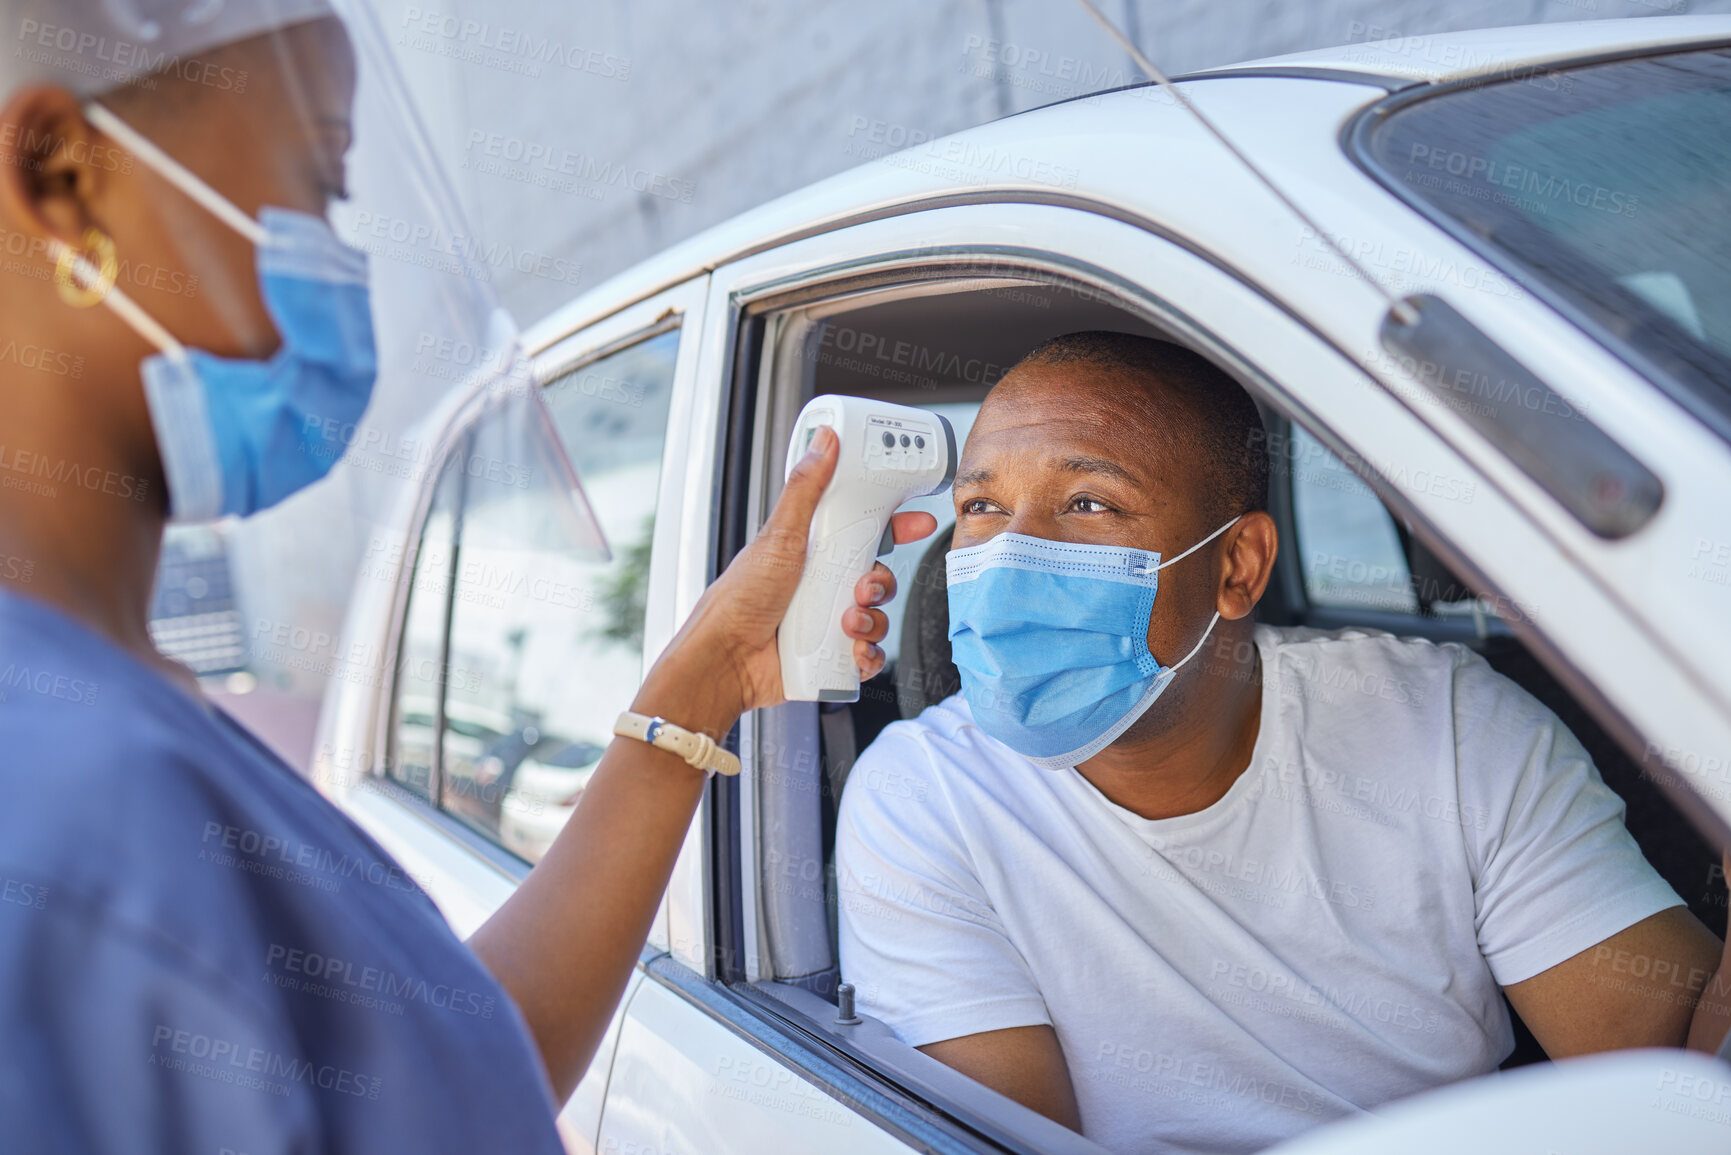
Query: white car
543, 793
1538, 466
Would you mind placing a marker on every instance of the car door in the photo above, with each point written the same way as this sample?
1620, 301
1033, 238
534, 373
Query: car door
735, 1041
509, 642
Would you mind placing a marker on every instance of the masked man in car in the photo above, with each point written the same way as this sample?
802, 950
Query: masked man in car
1181, 881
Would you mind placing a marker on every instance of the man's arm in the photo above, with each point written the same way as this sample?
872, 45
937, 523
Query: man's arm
1024, 1063
1664, 982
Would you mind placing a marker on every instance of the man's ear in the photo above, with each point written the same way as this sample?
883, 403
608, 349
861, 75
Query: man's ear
51, 168
1249, 564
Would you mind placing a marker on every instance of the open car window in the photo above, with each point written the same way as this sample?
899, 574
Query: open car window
1359, 565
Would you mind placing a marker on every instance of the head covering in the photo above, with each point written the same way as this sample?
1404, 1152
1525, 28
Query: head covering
92, 46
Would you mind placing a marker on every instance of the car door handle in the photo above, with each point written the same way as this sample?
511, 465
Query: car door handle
1598, 481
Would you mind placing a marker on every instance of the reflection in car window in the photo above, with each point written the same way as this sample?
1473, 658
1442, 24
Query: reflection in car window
420, 655
554, 634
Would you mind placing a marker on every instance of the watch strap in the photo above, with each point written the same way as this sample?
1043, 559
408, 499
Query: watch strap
699, 750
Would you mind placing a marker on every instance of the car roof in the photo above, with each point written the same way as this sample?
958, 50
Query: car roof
888, 184
1452, 56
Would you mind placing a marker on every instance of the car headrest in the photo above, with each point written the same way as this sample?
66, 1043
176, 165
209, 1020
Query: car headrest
924, 672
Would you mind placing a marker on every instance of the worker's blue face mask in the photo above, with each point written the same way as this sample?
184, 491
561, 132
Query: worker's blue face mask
237, 435
1051, 639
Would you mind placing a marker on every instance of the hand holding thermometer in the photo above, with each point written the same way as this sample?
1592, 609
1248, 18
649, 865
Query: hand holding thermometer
889, 453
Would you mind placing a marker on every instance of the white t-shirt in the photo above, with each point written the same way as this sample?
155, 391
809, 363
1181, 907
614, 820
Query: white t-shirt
1413, 831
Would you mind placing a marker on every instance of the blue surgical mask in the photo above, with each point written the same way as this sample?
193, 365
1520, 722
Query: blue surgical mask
235, 435
1051, 639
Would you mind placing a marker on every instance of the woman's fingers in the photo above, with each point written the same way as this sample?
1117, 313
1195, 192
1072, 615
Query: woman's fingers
912, 526
793, 509
876, 587
865, 625
869, 659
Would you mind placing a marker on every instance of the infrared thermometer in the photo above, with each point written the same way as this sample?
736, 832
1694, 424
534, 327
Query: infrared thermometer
889, 453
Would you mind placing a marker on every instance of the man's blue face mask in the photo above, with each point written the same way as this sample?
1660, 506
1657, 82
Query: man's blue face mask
1051, 639
237, 436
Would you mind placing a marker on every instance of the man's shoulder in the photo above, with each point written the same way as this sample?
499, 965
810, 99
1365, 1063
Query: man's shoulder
944, 737
1363, 666
1361, 643
940, 756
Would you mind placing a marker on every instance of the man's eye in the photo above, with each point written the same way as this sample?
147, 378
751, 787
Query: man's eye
1089, 505
976, 505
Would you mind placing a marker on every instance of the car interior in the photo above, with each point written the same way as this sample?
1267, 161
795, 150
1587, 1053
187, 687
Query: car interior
1345, 560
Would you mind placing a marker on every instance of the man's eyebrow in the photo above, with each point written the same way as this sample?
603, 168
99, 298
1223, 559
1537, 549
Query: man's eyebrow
1099, 465
971, 477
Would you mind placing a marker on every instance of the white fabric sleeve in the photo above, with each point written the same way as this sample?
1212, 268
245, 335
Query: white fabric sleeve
919, 939
1555, 871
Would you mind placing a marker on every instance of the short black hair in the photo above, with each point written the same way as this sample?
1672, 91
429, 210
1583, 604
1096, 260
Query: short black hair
1219, 421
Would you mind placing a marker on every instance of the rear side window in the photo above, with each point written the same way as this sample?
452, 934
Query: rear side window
548, 634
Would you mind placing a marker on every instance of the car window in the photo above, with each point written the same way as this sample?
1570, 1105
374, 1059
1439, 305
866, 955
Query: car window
1349, 549
1355, 557
421, 652
552, 633
1608, 183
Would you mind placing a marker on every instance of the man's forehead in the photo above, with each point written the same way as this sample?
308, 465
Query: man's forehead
1081, 393
1068, 416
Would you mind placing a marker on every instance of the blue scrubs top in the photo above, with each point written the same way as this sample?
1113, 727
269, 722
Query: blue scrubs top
199, 953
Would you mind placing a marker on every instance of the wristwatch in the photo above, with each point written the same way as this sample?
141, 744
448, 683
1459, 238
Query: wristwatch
698, 750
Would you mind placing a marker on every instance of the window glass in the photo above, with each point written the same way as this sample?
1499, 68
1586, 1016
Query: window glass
421, 652
1610, 183
553, 634
1349, 549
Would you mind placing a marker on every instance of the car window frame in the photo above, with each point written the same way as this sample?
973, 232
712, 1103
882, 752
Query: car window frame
391, 707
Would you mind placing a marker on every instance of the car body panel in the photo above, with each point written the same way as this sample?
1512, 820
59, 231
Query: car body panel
683, 1084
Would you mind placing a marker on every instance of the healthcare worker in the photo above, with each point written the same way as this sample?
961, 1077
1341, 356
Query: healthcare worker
222, 240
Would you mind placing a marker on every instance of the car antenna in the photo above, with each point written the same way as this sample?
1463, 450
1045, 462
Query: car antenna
1402, 310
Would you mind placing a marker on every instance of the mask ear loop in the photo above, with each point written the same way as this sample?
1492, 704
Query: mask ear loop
1199, 641
1198, 545
1213, 621
187, 182
116, 299
177, 174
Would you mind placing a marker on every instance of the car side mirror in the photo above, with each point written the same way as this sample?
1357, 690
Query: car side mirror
1678, 1102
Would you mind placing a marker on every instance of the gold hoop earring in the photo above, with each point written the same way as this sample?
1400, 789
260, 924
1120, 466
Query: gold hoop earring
79, 296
